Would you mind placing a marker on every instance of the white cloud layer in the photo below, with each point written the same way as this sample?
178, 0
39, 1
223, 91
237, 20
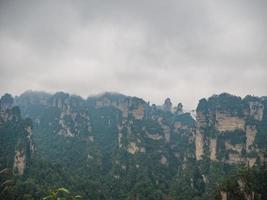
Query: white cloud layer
185, 50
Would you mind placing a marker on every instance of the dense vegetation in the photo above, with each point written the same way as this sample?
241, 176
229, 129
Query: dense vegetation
79, 147
247, 183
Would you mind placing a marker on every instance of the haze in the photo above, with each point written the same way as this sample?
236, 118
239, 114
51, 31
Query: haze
184, 50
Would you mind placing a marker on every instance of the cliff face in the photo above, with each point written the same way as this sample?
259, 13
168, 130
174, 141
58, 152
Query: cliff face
113, 124
227, 128
230, 132
119, 137
15, 136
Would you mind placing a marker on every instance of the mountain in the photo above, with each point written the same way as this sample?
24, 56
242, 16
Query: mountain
230, 133
17, 147
231, 129
113, 146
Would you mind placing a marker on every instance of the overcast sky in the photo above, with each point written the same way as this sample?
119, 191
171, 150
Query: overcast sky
154, 49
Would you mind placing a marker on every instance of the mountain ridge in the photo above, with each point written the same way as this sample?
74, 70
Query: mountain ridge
116, 140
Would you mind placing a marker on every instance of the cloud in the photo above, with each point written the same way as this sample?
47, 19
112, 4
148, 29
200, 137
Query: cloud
185, 50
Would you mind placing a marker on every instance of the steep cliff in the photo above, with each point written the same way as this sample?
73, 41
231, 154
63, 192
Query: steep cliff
118, 136
17, 147
227, 128
230, 132
123, 142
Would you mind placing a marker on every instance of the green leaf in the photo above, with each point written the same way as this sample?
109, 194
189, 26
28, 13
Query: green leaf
78, 197
63, 190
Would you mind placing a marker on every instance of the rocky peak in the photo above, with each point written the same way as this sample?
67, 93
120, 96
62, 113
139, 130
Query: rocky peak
179, 109
6, 102
256, 110
19, 132
225, 128
167, 106
8, 111
61, 100
129, 106
32, 98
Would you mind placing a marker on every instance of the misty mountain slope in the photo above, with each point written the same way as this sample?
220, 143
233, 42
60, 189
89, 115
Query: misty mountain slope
113, 146
230, 134
16, 147
124, 139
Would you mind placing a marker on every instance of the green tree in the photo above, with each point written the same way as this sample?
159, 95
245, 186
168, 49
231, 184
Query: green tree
61, 194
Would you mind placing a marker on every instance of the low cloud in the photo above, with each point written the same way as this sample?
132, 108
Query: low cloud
185, 50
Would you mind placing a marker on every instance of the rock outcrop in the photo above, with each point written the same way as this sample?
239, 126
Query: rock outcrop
167, 106
251, 132
232, 123
133, 148
16, 137
256, 110
227, 122
199, 144
213, 149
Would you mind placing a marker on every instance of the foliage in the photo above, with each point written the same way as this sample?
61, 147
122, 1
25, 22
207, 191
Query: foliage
93, 164
246, 182
61, 194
